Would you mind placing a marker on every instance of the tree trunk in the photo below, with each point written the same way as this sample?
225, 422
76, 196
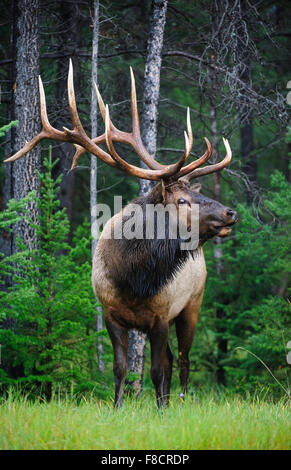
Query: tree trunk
69, 40
247, 135
151, 95
137, 340
27, 112
249, 158
7, 239
94, 169
218, 254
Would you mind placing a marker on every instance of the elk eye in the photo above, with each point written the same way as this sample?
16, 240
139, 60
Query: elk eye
182, 201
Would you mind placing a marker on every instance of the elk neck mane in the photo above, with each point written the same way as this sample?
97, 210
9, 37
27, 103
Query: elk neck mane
143, 267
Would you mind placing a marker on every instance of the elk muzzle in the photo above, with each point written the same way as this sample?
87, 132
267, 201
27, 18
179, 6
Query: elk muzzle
230, 217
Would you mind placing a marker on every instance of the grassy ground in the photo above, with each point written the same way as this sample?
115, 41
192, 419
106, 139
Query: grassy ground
207, 422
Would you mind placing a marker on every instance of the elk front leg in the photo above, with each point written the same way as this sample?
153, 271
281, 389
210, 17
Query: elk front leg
185, 329
119, 339
158, 337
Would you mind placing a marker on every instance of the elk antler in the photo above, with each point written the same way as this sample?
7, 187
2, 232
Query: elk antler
83, 143
206, 170
77, 136
47, 132
134, 138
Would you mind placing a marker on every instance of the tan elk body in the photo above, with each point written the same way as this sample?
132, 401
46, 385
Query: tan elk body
185, 288
148, 283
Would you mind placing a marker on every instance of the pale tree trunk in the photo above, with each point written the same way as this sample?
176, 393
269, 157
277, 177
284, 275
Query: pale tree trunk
94, 169
137, 340
27, 112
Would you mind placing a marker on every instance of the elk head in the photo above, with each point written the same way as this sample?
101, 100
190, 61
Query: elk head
175, 188
215, 219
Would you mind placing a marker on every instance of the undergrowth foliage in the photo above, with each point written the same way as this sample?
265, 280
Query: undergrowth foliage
48, 315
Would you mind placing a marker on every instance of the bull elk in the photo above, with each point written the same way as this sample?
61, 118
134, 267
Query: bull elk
147, 284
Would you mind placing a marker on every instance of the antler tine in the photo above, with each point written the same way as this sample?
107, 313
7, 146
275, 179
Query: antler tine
47, 131
79, 151
138, 145
211, 168
83, 143
141, 150
116, 135
187, 169
153, 175
72, 102
130, 169
97, 140
26, 148
78, 136
189, 129
188, 145
43, 111
134, 138
100, 102
134, 111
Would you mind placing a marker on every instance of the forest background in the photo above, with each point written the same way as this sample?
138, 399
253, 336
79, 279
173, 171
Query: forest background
226, 61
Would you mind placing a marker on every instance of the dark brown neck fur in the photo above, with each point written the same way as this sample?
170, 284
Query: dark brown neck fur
150, 263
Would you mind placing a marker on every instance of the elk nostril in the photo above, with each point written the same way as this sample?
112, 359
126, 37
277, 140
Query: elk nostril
232, 214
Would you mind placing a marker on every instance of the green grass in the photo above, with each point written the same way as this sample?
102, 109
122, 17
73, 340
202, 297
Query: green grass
207, 422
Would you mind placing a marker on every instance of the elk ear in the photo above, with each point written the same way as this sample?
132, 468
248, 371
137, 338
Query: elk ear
163, 190
196, 187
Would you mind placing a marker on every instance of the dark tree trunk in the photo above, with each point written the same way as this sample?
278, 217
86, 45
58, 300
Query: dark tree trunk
249, 158
218, 254
247, 135
7, 239
137, 340
27, 112
69, 40
21, 176
245, 74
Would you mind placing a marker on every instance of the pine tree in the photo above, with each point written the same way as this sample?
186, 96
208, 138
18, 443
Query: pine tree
51, 344
252, 292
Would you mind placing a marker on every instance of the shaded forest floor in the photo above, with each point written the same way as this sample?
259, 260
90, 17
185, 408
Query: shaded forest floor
207, 422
